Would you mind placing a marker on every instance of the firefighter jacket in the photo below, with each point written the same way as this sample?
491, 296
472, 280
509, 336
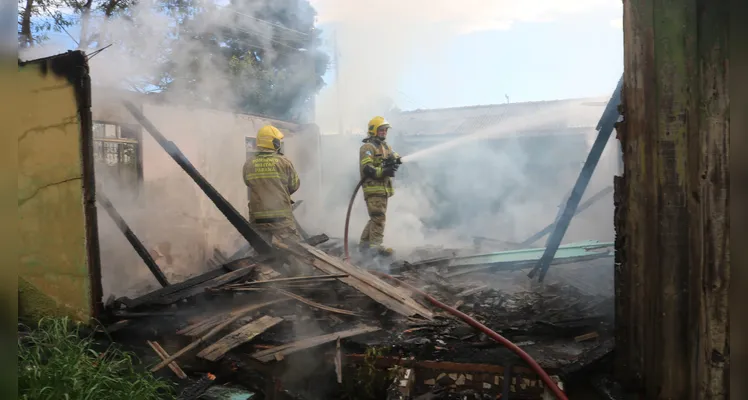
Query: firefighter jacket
372, 153
272, 180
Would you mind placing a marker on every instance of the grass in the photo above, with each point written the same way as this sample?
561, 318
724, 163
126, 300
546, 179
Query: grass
55, 361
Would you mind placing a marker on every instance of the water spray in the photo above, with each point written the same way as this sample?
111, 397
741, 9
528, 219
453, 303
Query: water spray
557, 392
389, 162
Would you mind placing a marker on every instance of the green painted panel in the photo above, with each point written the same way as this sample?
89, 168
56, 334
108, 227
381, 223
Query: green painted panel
53, 267
571, 250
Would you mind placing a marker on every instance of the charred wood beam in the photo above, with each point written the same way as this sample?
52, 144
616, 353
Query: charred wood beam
587, 204
226, 278
605, 128
317, 239
312, 241
255, 239
153, 297
136, 244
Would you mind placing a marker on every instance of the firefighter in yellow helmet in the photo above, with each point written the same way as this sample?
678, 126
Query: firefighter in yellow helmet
272, 180
376, 173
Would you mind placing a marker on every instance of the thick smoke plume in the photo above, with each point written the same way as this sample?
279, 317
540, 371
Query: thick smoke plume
169, 213
485, 185
502, 182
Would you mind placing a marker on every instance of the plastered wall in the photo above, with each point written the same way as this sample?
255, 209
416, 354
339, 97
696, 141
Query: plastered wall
58, 254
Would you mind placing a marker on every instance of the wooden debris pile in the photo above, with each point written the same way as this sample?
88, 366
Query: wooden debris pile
240, 300
259, 311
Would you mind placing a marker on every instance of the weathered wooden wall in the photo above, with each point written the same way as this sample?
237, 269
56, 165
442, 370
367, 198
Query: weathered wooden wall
672, 218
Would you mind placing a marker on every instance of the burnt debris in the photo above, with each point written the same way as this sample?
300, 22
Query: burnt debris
262, 320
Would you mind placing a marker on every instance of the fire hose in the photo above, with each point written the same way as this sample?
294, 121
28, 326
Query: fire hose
552, 386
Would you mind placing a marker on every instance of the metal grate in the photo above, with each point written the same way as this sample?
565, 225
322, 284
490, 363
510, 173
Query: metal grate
117, 154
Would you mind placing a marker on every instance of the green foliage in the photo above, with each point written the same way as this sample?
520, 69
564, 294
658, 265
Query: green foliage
369, 382
268, 50
56, 362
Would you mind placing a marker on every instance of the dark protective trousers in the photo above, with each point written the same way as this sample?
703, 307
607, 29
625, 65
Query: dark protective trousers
373, 233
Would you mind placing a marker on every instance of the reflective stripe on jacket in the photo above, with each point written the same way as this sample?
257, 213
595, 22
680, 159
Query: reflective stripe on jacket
272, 180
373, 152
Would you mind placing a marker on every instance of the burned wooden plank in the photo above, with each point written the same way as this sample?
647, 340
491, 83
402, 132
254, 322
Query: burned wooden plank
246, 249
164, 355
111, 328
238, 337
587, 336
136, 244
338, 362
201, 327
149, 298
129, 314
290, 348
232, 316
290, 280
361, 280
315, 304
317, 239
213, 283
266, 272
470, 292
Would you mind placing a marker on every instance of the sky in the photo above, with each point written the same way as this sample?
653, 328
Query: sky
447, 53
484, 51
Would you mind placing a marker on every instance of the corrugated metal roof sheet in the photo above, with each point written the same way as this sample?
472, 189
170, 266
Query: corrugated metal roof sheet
510, 117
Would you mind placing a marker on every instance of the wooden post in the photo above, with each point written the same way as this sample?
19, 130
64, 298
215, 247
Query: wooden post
672, 262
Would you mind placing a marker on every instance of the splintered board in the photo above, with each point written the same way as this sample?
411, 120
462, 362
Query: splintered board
363, 281
278, 352
218, 281
238, 337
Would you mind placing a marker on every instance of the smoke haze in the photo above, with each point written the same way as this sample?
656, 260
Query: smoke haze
490, 183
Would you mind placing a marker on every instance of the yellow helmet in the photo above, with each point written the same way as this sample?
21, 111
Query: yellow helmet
269, 137
376, 123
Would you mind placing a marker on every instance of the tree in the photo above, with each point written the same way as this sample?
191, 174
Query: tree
36, 18
39, 17
266, 51
275, 58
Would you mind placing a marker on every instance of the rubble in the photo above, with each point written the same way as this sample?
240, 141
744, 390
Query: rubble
267, 316
259, 317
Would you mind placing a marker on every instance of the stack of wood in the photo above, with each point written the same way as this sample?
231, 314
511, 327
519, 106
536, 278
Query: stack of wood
212, 337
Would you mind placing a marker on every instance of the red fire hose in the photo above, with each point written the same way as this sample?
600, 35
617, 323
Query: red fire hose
348, 219
464, 317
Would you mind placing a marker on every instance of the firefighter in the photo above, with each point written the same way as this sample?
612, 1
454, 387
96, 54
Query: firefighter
272, 180
378, 165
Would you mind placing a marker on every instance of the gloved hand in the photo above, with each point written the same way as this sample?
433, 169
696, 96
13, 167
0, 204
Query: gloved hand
390, 166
